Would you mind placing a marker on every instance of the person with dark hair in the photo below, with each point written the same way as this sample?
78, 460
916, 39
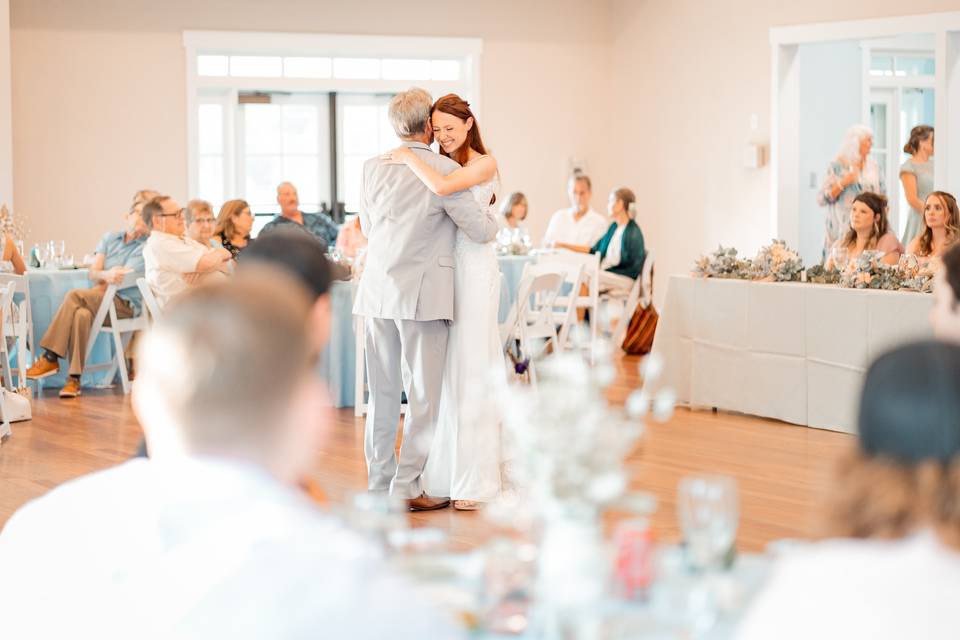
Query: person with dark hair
916, 175
940, 227
211, 537
945, 314
894, 572
869, 230
514, 209
234, 223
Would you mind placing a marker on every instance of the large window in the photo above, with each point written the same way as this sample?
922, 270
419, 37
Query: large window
308, 109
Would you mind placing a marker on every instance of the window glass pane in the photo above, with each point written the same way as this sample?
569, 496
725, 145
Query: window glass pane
262, 128
210, 128
212, 65
260, 220
263, 174
256, 66
304, 173
352, 171
360, 127
307, 67
881, 65
210, 184
300, 124
405, 69
914, 66
878, 122
388, 137
356, 68
445, 69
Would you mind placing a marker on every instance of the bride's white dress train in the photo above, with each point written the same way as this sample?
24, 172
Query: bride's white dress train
465, 460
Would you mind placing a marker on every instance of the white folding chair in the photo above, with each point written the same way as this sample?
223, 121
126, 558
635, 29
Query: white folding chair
18, 324
120, 328
641, 294
150, 303
7, 291
589, 276
531, 318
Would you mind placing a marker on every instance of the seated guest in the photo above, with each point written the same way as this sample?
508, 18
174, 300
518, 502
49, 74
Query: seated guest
940, 227
117, 254
893, 569
209, 538
622, 251
319, 224
351, 239
198, 218
514, 209
11, 256
868, 230
945, 314
579, 225
233, 226
173, 262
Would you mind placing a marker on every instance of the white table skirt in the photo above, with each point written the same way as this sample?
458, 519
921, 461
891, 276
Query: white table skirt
790, 351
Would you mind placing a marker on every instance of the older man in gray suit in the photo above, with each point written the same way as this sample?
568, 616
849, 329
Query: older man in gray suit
406, 298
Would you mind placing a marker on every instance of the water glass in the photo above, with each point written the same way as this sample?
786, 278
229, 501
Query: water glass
708, 509
841, 258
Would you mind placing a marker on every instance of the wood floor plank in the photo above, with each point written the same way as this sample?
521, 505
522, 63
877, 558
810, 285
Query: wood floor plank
783, 470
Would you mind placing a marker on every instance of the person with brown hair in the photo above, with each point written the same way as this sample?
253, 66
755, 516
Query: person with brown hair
514, 209
233, 226
940, 227
916, 176
892, 569
869, 230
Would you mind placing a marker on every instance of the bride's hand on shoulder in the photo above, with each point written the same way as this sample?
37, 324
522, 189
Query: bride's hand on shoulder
400, 155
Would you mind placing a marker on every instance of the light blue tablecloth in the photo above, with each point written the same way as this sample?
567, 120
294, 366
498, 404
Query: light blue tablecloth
47, 291
338, 361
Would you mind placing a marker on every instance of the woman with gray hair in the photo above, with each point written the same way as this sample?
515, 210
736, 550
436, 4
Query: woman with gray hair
851, 173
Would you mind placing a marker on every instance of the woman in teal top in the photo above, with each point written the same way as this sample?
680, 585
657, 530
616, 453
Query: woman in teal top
916, 174
621, 249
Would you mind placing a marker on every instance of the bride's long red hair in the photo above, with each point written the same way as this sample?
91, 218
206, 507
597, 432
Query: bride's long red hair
456, 106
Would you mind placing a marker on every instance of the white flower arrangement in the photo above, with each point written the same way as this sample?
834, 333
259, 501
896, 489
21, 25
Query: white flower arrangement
777, 263
722, 263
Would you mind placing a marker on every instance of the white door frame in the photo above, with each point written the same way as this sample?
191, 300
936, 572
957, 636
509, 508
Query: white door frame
785, 102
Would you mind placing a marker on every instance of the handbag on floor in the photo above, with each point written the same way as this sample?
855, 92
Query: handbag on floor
643, 325
16, 406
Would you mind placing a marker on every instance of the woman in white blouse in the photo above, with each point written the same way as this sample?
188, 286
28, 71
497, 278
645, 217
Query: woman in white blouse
892, 569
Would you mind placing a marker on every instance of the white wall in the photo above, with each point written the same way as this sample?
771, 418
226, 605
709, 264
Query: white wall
831, 84
6, 118
100, 105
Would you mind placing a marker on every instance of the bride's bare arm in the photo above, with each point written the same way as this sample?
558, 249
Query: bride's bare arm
477, 172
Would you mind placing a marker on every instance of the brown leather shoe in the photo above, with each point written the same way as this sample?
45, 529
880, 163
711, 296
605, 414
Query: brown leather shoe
42, 368
71, 389
427, 503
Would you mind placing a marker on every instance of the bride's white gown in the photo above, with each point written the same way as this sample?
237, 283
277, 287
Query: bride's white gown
465, 459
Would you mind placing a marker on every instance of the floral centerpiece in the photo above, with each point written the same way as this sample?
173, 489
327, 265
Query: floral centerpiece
9, 225
866, 271
916, 274
513, 242
819, 274
722, 263
776, 263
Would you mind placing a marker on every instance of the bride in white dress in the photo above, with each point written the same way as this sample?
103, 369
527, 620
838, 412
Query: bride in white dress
465, 459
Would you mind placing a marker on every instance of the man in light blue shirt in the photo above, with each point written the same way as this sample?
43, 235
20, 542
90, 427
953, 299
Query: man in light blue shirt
117, 254
320, 225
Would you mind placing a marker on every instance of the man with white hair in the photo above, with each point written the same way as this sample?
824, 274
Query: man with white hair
210, 537
320, 224
406, 297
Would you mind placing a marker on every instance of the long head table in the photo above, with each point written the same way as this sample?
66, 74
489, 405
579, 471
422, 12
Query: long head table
790, 351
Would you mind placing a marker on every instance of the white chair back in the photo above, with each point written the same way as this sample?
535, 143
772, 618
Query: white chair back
589, 277
150, 303
532, 316
7, 290
19, 323
121, 330
640, 296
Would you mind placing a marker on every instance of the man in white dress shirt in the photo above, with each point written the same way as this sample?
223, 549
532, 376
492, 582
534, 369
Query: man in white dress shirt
580, 224
209, 538
173, 261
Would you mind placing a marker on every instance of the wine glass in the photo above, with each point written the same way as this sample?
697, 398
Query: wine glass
840, 257
708, 510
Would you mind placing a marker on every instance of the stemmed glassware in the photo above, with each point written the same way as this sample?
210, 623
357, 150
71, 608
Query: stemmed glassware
708, 510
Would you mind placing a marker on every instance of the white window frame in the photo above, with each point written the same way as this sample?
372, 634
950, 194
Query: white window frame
785, 102
467, 50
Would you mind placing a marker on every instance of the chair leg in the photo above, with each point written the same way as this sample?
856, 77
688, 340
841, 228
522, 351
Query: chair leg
120, 360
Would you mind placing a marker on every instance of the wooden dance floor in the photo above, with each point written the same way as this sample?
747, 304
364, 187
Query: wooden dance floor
783, 470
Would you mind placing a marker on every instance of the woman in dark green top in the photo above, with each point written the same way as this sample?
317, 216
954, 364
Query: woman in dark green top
622, 251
